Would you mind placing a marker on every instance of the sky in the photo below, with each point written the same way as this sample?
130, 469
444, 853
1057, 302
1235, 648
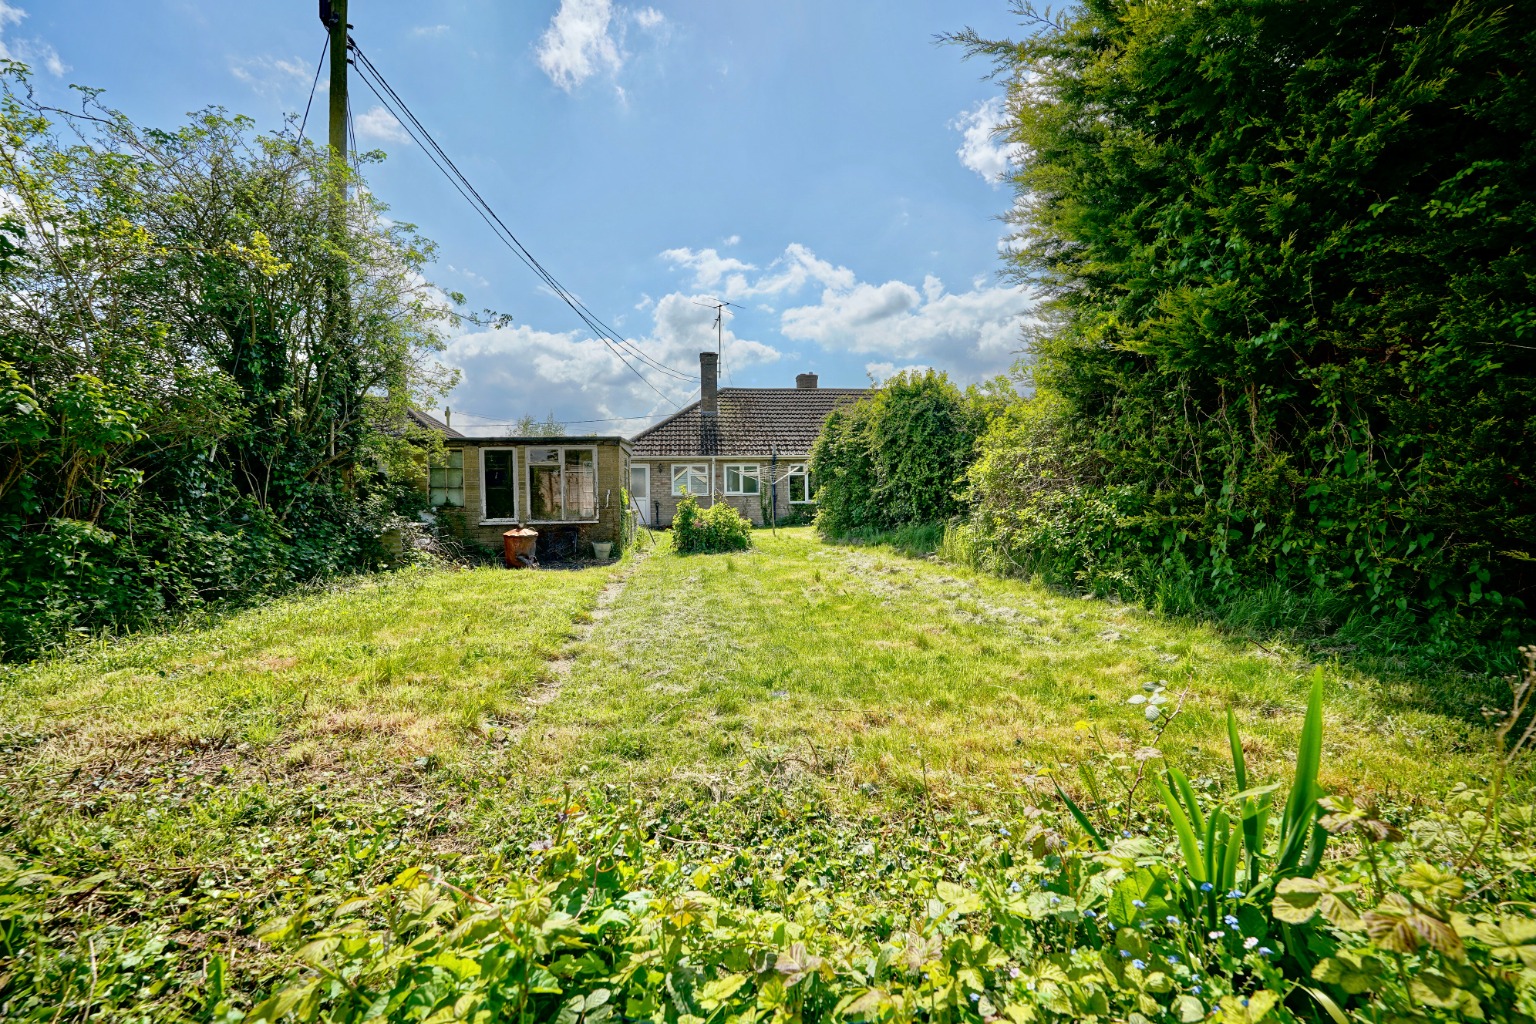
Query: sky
829, 168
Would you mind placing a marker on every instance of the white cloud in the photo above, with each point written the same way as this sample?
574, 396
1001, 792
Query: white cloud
429, 31
510, 371
578, 44
379, 124
273, 76
468, 275
33, 52
879, 373
586, 38
980, 150
786, 275
733, 240
971, 334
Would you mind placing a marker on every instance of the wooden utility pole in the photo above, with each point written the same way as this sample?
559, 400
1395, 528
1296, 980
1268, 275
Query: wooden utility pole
339, 360
333, 14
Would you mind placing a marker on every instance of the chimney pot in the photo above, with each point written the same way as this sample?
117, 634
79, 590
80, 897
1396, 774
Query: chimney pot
709, 393
806, 381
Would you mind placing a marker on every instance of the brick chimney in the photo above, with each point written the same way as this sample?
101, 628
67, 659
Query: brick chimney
806, 381
709, 394
709, 404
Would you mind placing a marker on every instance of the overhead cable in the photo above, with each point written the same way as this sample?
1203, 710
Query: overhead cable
390, 99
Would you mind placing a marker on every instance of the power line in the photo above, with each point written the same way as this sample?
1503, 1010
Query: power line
315, 84
462, 186
397, 107
522, 252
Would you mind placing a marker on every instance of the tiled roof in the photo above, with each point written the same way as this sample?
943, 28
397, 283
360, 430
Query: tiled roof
752, 421
421, 419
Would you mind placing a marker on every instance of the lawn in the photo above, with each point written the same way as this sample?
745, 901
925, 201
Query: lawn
888, 674
173, 791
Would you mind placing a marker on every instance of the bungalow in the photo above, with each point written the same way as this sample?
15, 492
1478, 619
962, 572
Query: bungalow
569, 489
744, 446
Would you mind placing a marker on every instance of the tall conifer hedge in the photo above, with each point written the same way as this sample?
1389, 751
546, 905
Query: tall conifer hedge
1290, 253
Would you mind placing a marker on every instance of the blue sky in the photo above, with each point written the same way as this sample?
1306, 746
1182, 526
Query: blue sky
826, 166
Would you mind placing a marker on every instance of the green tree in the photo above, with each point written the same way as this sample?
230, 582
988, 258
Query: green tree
899, 456
177, 425
1291, 257
527, 426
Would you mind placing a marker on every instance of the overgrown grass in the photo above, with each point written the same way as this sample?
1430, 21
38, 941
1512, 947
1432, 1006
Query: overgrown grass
165, 795
883, 674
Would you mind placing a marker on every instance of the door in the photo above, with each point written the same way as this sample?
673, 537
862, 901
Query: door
640, 492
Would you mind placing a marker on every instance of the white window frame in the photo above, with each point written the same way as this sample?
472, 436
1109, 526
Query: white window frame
562, 449
688, 468
447, 468
517, 491
756, 474
800, 469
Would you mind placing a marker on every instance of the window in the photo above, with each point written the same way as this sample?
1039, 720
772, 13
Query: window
446, 482
743, 479
562, 485
640, 484
692, 480
802, 489
498, 485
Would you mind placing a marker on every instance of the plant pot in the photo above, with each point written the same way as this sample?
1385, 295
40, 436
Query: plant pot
603, 549
517, 548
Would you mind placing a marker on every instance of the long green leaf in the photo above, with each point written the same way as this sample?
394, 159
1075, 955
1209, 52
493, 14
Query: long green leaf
1216, 826
1186, 834
1301, 805
1228, 877
1082, 819
1188, 793
1239, 766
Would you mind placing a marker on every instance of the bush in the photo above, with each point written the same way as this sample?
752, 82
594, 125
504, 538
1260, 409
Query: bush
899, 457
211, 428
703, 531
1292, 281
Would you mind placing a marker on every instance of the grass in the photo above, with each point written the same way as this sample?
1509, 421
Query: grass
877, 671
207, 779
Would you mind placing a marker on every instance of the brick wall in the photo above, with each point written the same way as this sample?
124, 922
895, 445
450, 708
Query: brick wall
612, 464
751, 506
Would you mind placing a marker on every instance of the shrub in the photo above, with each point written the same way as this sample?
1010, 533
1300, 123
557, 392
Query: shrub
207, 431
899, 456
719, 527
1289, 256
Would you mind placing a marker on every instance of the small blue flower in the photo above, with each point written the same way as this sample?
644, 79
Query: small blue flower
1140, 965
1172, 958
1126, 833
1231, 921
1004, 831
1055, 899
1197, 990
1015, 887
1090, 915
1110, 925
1266, 951
1245, 1000
1138, 903
976, 996
1172, 919
1206, 887
1235, 894
1124, 953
